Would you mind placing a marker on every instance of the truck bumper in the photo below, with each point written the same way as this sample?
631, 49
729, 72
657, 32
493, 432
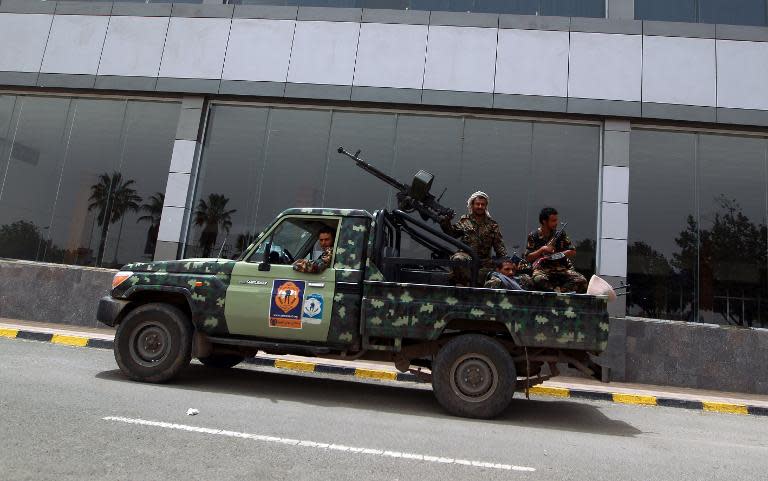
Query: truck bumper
109, 310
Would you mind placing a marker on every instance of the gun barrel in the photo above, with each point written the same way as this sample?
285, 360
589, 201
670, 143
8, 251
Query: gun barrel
373, 170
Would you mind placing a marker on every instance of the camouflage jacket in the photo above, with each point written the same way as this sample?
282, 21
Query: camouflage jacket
315, 266
536, 240
479, 235
497, 280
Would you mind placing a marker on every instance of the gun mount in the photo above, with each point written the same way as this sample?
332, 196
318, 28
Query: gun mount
415, 197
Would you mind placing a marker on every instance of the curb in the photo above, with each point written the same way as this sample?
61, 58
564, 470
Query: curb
291, 365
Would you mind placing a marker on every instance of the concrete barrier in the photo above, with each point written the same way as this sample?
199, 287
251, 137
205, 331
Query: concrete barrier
688, 354
36, 291
646, 351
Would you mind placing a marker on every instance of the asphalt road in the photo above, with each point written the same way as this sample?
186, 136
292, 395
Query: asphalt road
68, 413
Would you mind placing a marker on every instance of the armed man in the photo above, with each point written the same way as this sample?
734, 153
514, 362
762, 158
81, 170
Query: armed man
325, 242
550, 250
480, 232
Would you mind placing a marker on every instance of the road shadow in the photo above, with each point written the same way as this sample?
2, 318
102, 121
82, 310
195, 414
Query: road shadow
390, 397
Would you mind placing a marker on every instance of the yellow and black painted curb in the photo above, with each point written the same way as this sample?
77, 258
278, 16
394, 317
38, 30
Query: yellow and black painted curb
302, 366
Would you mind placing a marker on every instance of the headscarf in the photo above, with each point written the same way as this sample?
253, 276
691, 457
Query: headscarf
474, 196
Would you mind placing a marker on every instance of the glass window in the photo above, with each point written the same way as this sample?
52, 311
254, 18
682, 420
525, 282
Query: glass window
296, 161
228, 182
734, 12
565, 176
666, 10
663, 227
573, 8
70, 191
347, 185
432, 144
518, 7
496, 158
93, 195
732, 230
30, 179
149, 130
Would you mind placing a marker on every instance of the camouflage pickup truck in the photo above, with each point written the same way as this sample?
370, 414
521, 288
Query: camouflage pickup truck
386, 296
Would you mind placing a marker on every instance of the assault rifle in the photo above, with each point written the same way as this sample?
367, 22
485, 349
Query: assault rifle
557, 255
410, 198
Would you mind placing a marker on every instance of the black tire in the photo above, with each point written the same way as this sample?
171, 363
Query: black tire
153, 343
221, 361
474, 376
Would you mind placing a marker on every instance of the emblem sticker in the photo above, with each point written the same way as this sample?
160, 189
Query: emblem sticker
285, 308
312, 313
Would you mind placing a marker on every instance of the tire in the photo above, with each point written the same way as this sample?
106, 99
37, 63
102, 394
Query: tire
474, 376
153, 343
221, 361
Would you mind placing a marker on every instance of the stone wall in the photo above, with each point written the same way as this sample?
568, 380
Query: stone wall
35, 291
687, 354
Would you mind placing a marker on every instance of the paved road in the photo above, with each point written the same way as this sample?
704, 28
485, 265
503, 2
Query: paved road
262, 424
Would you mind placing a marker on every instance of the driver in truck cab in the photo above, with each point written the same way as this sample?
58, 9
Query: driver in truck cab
325, 240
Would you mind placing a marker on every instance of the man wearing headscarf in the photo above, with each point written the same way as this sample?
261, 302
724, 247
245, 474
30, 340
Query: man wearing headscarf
480, 232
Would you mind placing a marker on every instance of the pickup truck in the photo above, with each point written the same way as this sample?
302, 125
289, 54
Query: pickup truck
385, 297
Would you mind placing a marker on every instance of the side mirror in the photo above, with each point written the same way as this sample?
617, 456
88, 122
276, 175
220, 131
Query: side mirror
265, 266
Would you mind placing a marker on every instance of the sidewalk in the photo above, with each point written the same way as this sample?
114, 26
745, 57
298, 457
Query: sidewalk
563, 387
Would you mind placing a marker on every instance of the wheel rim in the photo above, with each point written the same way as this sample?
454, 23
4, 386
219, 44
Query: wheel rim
474, 377
150, 344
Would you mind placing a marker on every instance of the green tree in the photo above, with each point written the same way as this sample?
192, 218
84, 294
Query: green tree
212, 215
22, 240
112, 197
154, 209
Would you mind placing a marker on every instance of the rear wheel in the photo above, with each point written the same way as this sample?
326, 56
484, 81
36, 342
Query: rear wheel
474, 376
153, 343
221, 361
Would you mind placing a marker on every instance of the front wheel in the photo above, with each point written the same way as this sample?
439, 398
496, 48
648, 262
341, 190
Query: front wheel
474, 376
153, 343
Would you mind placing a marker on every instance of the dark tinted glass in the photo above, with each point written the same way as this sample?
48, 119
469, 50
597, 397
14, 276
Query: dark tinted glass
228, 184
93, 196
732, 230
349, 186
148, 132
565, 176
432, 144
496, 158
296, 158
75, 175
666, 10
663, 226
32, 171
573, 8
734, 12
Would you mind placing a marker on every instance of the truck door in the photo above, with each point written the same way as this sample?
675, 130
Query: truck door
271, 300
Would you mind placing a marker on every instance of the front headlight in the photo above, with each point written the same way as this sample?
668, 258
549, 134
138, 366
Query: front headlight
120, 277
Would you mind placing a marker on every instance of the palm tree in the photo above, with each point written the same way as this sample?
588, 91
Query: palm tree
154, 209
112, 197
212, 215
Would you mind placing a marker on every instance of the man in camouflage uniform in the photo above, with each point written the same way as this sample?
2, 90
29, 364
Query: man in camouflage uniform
504, 277
480, 232
555, 274
325, 241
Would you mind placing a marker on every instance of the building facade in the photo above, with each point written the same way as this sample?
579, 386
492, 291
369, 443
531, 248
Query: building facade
139, 131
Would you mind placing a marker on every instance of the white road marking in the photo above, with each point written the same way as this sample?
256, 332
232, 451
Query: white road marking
313, 444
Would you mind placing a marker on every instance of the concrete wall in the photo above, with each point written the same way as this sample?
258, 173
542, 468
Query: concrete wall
56, 293
686, 354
